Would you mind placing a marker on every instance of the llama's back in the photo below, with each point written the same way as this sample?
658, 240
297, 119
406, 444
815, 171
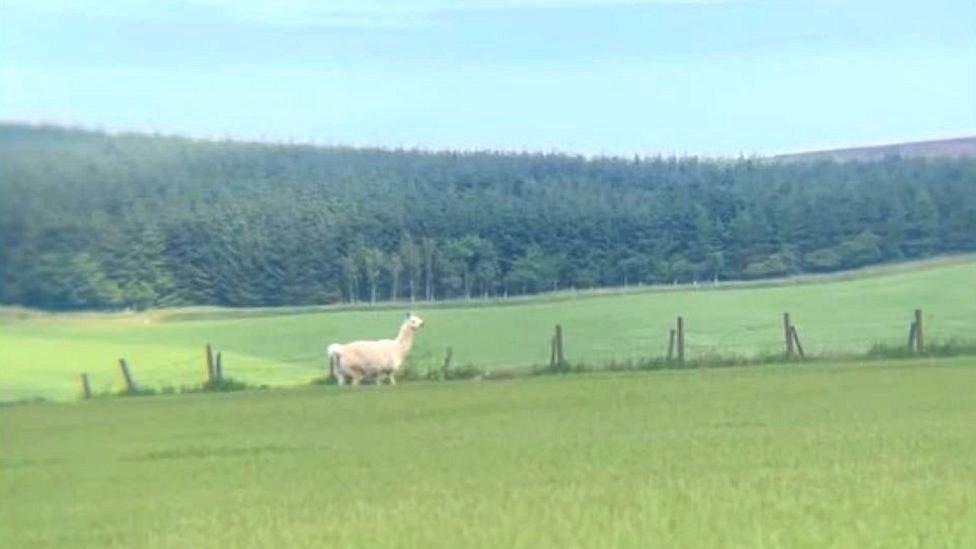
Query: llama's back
368, 356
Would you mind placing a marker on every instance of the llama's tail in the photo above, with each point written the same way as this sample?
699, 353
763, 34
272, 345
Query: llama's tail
333, 353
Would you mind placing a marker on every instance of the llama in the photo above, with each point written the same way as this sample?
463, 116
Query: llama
361, 359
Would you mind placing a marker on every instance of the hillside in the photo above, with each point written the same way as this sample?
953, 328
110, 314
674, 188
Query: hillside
96, 221
42, 354
962, 147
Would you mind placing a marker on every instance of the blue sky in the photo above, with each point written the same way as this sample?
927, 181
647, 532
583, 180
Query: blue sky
590, 76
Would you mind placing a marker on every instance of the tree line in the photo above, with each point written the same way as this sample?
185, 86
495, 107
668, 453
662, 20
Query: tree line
92, 220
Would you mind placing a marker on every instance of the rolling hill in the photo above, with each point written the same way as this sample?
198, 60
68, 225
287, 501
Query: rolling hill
960, 147
41, 354
98, 221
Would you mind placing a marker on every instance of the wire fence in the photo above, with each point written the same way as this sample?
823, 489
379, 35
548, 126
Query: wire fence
527, 344
844, 338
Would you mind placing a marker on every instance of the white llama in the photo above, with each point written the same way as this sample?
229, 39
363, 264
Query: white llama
373, 359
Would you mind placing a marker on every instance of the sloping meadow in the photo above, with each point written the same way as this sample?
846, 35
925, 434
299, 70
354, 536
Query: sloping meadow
42, 355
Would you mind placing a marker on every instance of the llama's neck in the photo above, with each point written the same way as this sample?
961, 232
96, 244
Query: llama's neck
404, 339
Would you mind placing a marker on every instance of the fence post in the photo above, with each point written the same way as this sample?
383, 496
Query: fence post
447, 362
919, 333
796, 339
210, 364
560, 358
85, 385
671, 345
911, 338
681, 340
218, 368
130, 385
789, 335
552, 351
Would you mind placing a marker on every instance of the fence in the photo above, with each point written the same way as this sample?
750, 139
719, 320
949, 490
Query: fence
679, 344
213, 370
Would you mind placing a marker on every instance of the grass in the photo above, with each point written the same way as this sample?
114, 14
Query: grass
42, 354
825, 455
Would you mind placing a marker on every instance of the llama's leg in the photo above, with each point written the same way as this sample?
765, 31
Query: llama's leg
392, 379
337, 370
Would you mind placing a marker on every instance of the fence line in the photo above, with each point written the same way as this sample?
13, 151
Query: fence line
680, 342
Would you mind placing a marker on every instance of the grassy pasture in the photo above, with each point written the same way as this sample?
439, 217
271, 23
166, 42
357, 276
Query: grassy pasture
41, 355
870, 455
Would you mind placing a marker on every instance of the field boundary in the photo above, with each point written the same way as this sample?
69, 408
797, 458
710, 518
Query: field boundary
879, 352
559, 296
559, 365
206, 312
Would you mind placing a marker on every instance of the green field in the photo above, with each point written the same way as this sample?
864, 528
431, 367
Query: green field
42, 355
828, 455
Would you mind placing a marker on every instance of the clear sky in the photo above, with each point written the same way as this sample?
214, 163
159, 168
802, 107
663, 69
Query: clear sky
590, 76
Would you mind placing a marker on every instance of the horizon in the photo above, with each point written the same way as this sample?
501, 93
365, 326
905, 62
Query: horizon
41, 125
597, 78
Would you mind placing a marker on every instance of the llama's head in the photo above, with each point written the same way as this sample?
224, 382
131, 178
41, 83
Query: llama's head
414, 321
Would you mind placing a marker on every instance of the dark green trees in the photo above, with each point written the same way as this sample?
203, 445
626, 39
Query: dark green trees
89, 220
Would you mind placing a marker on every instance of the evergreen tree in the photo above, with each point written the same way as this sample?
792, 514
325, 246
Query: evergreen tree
395, 267
89, 220
413, 264
372, 261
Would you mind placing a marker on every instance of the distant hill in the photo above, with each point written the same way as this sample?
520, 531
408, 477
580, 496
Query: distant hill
962, 147
93, 220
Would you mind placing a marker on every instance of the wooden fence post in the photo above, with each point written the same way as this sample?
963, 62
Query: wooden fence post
671, 345
681, 340
218, 368
552, 351
447, 362
796, 339
560, 357
210, 364
919, 333
788, 333
85, 385
130, 385
911, 338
